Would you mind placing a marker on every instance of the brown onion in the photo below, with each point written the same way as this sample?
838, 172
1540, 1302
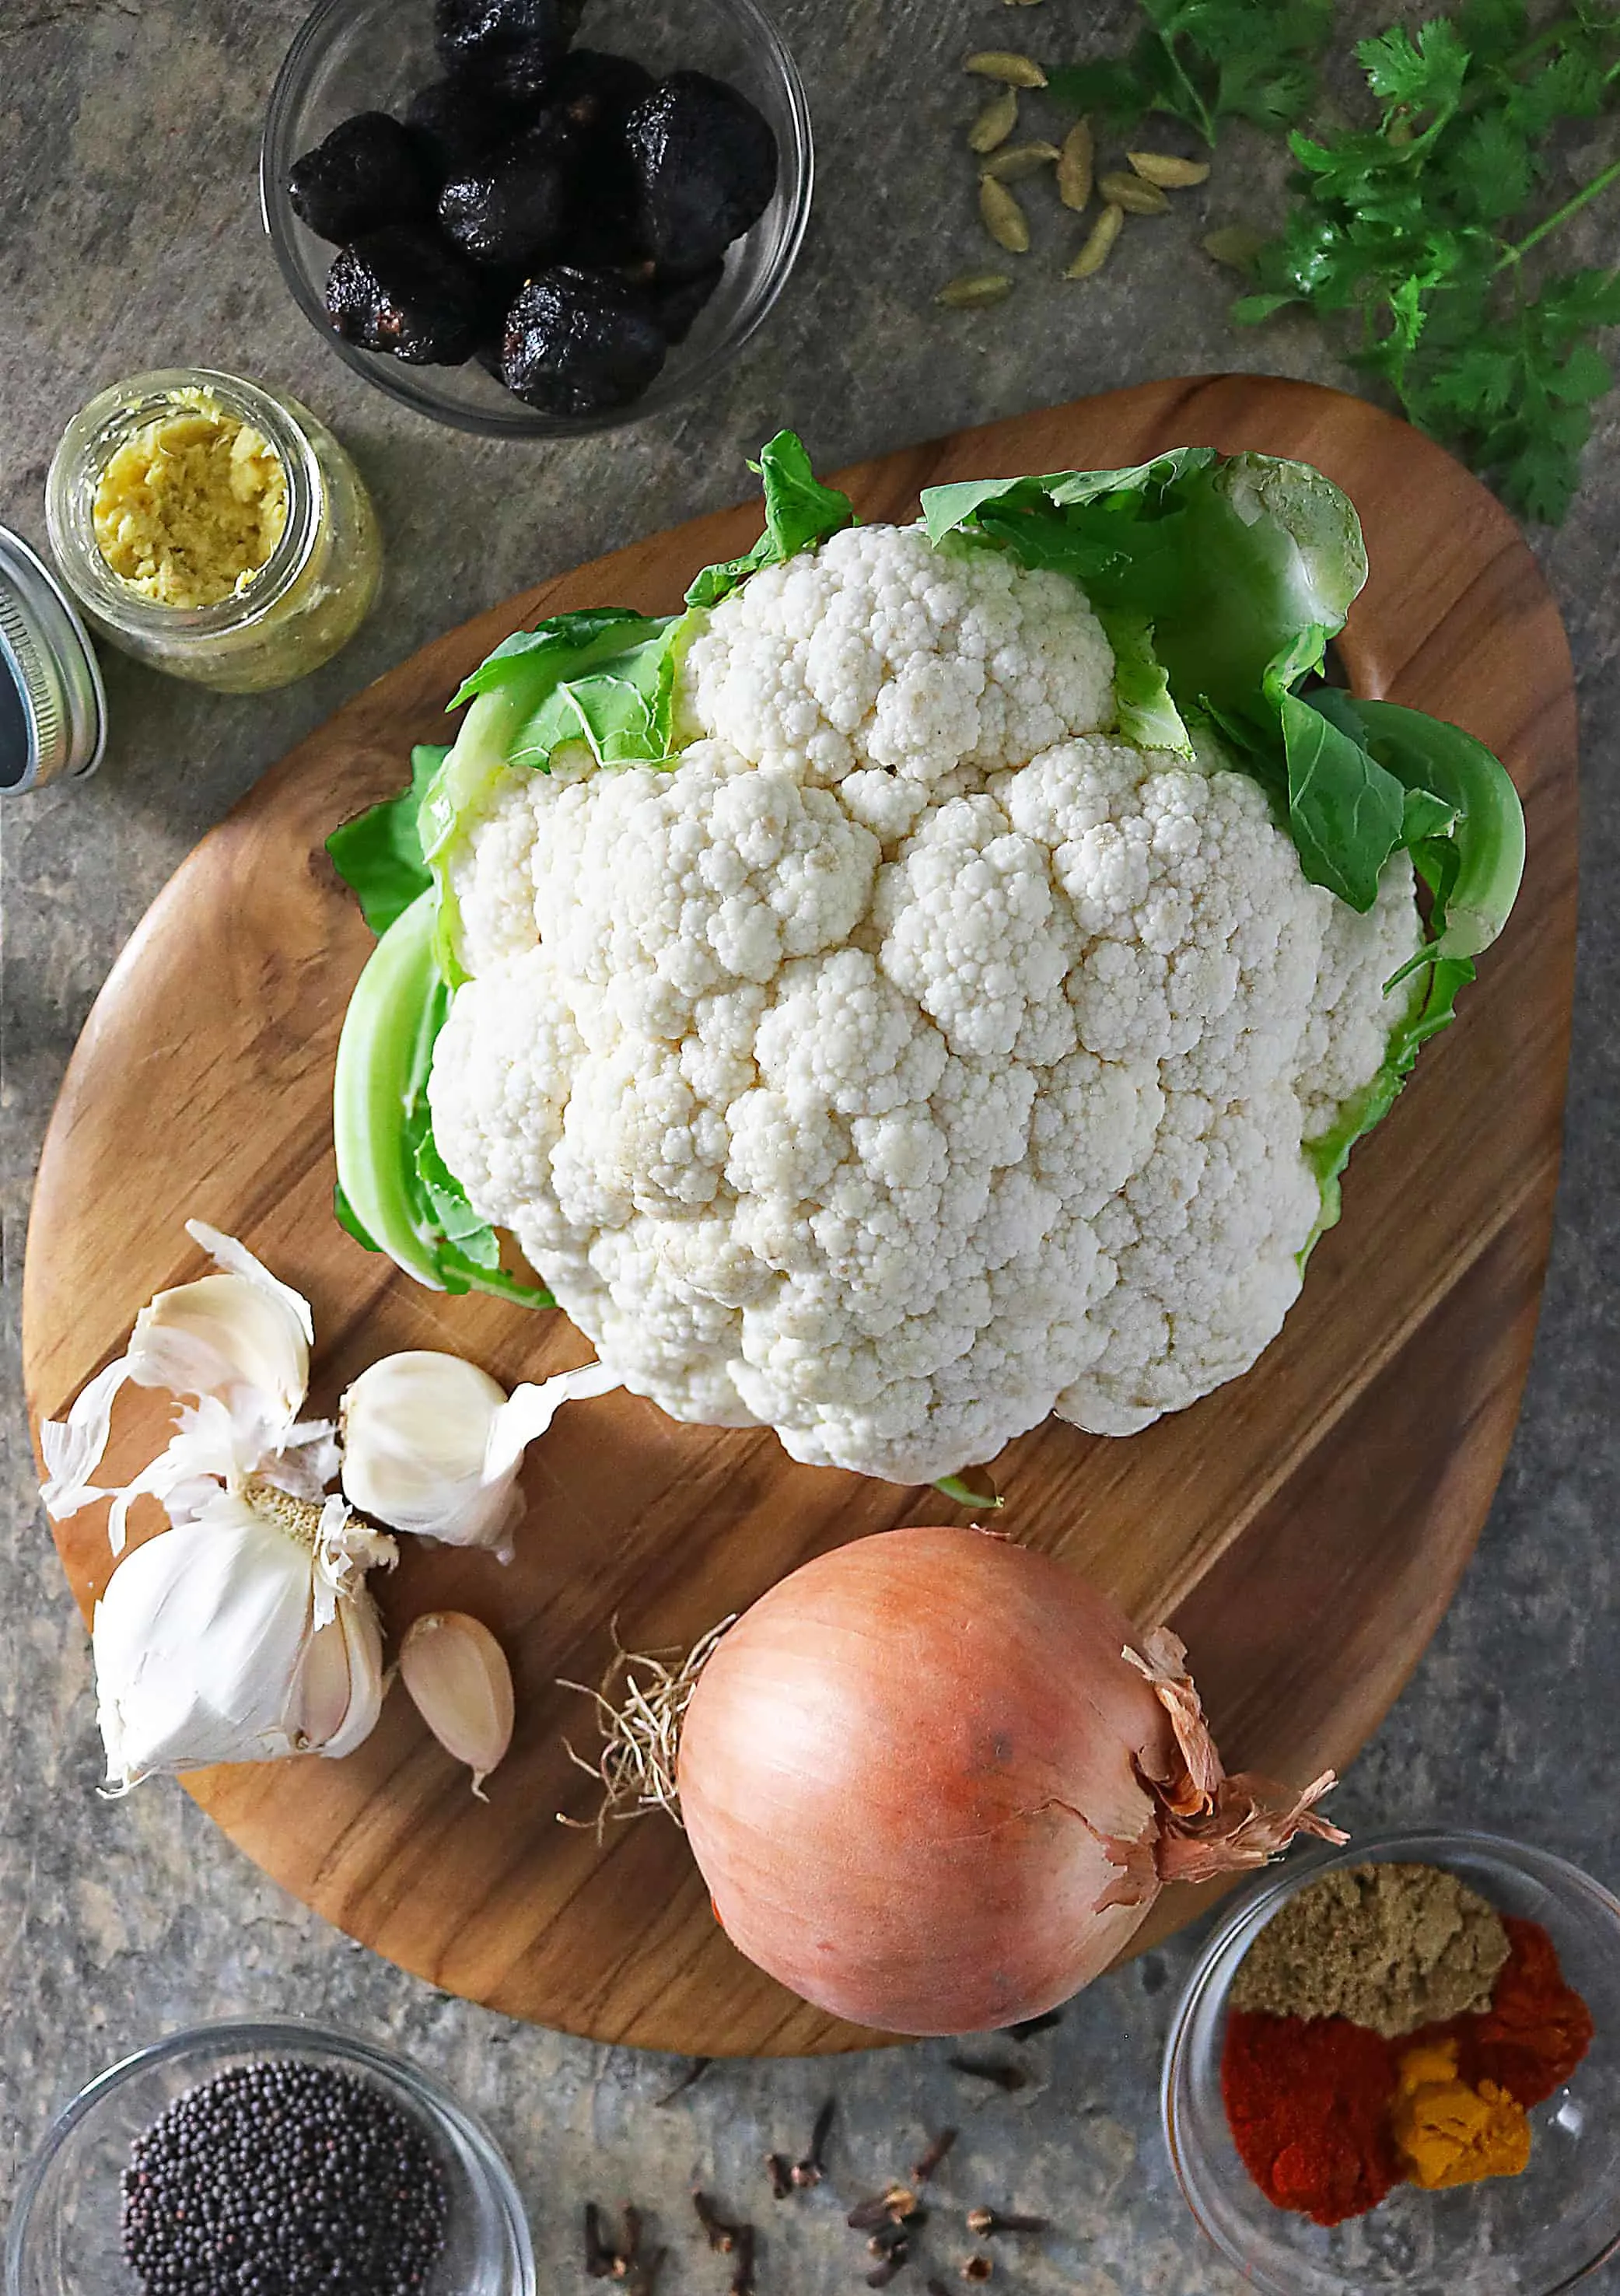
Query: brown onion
935, 1781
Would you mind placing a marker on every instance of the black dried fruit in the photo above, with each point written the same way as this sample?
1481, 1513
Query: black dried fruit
678, 301
403, 291
459, 122
369, 171
512, 209
598, 90
512, 45
580, 343
706, 161
592, 96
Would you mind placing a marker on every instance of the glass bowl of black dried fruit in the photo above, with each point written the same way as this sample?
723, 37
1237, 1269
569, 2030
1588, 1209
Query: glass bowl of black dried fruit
267, 2154
532, 218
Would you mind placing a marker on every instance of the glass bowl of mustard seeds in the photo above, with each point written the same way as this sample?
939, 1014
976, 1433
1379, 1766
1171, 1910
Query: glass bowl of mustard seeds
1379, 2035
347, 2159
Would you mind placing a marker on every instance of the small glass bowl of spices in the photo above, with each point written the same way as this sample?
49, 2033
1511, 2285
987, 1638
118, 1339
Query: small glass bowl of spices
213, 527
1397, 2067
273, 2155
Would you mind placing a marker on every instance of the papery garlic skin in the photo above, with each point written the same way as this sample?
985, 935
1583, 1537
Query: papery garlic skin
232, 1639
433, 1445
238, 1342
458, 1679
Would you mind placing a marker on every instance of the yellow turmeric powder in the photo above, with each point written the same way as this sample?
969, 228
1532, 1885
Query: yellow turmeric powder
1449, 2133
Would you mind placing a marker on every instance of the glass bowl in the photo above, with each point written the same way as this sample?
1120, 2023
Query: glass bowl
1526, 2236
364, 55
64, 2236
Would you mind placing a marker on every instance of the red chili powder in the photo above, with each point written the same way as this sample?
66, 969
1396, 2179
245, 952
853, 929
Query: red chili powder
1535, 2031
1308, 2102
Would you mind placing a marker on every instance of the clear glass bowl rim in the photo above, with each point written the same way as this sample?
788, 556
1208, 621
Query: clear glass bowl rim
285, 2036
1426, 1844
799, 166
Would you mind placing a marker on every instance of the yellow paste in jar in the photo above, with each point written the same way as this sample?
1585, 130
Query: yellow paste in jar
191, 505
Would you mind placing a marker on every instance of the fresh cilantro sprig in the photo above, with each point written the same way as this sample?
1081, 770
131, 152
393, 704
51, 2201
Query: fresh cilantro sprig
1423, 227
1206, 61
1419, 227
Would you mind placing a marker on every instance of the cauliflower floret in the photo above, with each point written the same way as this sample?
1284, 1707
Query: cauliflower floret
918, 1057
880, 651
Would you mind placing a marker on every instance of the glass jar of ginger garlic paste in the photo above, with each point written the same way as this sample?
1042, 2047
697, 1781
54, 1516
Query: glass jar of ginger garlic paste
213, 527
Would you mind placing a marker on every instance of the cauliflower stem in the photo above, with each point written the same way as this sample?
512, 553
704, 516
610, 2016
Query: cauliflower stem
935, 981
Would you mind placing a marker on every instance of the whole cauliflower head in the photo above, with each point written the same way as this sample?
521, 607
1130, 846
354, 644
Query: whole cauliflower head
918, 1057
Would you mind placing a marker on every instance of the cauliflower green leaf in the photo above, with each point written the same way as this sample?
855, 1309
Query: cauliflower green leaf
1239, 569
379, 856
394, 1193
800, 512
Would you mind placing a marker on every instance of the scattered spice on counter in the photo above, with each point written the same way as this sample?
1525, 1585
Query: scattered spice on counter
285, 2174
1449, 2133
191, 506
1392, 1947
983, 2222
599, 2257
689, 2079
933, 2155
780, 2174
1009, 2079
812, 2168
722, 2236
1349, 2066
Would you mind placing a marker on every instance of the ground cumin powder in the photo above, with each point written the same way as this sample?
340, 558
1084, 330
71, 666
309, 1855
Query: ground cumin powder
1392, 1947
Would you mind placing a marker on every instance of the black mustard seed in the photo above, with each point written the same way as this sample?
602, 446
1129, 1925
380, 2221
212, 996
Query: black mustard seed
282, 2178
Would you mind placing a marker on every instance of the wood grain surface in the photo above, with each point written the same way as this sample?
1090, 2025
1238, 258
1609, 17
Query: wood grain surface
1303, 1527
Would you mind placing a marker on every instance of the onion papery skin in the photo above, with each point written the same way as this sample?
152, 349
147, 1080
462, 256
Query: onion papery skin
913, 1778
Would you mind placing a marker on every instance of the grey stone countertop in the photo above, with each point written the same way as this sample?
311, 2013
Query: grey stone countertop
129, 238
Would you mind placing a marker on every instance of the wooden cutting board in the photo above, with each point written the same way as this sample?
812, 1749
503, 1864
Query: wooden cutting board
1304, 1528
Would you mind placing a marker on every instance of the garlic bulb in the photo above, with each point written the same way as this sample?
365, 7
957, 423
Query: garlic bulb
460, 1685
237, 1341
245, 1635
433, 1445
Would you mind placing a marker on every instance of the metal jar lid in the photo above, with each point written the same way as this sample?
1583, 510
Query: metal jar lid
53, 704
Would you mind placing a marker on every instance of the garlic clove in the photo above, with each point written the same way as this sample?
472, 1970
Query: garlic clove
458, 1679
238, 1342
244, 1635
528, 1411
222, 1336
433, 1445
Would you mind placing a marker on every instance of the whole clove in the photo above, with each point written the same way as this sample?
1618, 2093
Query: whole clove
891, 2267
898, 2205
780, 2174
982, 2221
693, 2074
812, 2168
742, 2268
938, 2148
1031, 2026
630, 2249
894, 2241
1009, 2079
722, 2236
977, 2268
642, 2279
599, 2257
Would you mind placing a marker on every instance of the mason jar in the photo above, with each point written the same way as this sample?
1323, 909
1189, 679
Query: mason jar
287, 616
